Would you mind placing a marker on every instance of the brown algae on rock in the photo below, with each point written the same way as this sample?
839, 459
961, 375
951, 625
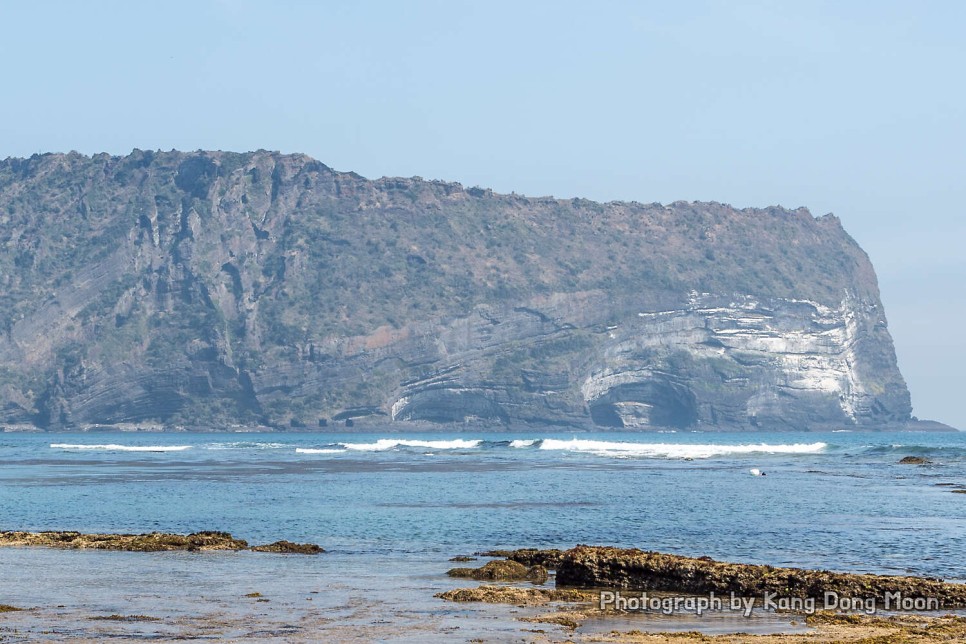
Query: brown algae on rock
608, 567
914, 460
528, 556
287, 547
502, 570
514, 595
149, 542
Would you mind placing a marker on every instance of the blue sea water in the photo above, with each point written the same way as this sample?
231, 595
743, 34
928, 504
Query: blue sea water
389, 506
838, 500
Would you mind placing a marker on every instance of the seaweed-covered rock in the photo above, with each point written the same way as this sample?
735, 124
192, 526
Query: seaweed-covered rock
607, 567
513, 595
150, 542
528, 556
503, 570
537, 574
287, 547
914, 460
462, 558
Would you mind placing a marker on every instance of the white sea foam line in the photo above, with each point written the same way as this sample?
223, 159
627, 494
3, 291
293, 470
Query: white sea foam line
123, 448
384, 444
309, 450
670, 450
523, 443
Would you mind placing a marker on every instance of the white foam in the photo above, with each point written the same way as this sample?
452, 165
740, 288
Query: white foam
309, 450
384, 444
122, 448
523, 443
668, 450
245, 445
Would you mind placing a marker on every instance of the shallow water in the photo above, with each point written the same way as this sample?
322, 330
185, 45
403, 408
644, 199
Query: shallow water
392, 508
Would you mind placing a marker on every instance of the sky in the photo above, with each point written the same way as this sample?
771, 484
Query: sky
845, 107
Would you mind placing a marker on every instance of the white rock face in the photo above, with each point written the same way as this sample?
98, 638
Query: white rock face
715, 362
738, 360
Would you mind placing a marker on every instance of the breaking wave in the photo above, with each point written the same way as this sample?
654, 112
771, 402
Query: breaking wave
245, 445
385, 444
121, 448
591, 447
672, 450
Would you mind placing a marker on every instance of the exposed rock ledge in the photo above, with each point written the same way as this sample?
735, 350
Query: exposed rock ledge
150, 542
608, 567
595, 566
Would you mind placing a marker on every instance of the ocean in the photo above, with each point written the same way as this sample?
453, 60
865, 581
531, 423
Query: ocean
391, 508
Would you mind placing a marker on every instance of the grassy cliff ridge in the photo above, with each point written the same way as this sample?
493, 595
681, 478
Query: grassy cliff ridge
214, 288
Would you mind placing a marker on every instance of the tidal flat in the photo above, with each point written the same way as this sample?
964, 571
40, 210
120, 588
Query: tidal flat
134, 594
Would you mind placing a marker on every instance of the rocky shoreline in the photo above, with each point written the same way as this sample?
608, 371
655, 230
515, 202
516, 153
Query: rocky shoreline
149, 542
517, 592
597, 566
586, 574
604, 567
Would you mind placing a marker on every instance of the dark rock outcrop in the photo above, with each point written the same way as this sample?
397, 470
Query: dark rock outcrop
514, 595
149, 542
604, 567
168, 289
528, 556
502, 570
287, 547
914, 460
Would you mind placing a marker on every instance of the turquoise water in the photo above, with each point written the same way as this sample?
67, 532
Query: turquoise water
835, 500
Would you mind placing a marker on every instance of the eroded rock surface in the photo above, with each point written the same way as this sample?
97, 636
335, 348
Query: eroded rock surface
529, 556
605, 567
287, 547
214, 289
149, 542
502, 570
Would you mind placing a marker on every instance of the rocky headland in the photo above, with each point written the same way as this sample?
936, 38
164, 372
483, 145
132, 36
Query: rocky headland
167, 290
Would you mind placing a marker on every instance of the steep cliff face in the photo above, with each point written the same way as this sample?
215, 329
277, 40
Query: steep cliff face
218, 289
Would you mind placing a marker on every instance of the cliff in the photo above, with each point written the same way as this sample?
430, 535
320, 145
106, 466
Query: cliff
212, 289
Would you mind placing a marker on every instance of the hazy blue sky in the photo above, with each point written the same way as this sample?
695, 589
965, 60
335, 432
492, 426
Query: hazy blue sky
855, 108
